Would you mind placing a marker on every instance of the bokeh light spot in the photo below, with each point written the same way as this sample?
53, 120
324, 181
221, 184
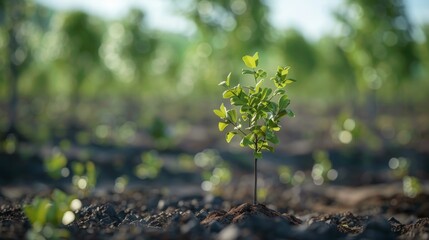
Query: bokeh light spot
345, 137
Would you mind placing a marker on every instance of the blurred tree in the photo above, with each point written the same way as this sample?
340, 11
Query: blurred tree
13, 14
378, 43
225, 29
81, 39
128, 47
129, 50
140, 48
299, 53
244, 23
424, 53
333, 71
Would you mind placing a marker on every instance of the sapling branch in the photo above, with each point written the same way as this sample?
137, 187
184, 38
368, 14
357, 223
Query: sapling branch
253, 104
236, 127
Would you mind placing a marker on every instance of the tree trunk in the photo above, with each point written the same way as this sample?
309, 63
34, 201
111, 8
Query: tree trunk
13, 81
255, 175
15, 14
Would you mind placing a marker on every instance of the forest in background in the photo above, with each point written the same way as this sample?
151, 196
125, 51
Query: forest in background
69, 78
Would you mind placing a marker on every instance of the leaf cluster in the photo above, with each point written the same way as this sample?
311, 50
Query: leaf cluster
256, 110
49, 215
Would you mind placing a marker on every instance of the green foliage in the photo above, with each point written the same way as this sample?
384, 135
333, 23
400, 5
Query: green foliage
322, 169
121, 183
381, 38
55, 165
150, 166
85, 177
400, 167
10, 144
216, 172
288, 176
47, 215
411, 186
84, 174
256, 110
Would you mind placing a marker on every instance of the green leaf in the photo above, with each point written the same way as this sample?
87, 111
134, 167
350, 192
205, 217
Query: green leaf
59, 196
279, 92
223, 84
232, 115
258, 85
42, 211
251, 61
238, 101
279, 85
272, 106
235, 91
223, 109
266, 93
285, 71
267, 147
273, 125
257, 130
246, 141
247, 71
257, 155
272, 137
278, 82
222, 126
288, 81
219, 113
261, 73
290, 113
228, 93
284, 101
229, 136
228, 79
226, 82
32, 210
244, 109
256, 57
276, 129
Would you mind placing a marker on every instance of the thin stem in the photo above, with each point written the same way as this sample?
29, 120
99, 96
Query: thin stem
255, 173
254, 76
235, 125
255, 197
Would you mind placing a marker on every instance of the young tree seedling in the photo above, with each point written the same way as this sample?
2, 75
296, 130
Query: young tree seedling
255, 111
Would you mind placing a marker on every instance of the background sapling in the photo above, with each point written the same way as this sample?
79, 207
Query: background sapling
256, 110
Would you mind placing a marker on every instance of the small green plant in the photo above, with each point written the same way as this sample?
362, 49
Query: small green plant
411, 186
84, 177
255, 111
322, 169
56, 165
47, 215
121, 183
150, 166
289, 176
215, 171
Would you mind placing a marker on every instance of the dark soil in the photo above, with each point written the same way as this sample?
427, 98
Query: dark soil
143, 214
377, 210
